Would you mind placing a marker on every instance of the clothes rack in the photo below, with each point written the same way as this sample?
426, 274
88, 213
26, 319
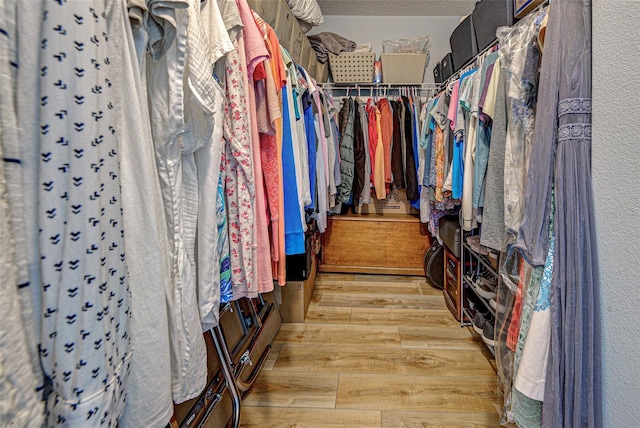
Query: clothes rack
418, 89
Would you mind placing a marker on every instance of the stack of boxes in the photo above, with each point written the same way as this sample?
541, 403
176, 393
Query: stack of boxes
278, 15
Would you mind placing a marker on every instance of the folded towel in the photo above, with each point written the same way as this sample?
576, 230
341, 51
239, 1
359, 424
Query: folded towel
325, 43
365, 47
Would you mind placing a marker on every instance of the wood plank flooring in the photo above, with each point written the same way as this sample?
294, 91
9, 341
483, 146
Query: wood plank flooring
375, 351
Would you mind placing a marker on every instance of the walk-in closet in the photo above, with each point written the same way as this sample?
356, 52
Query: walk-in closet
319, 213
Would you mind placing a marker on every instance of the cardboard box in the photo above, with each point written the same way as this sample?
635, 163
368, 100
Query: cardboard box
296, 297
403, 68
296, 42
312, 64
268, 10
284, 24
395, 203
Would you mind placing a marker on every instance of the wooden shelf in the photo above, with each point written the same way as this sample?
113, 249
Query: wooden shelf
392, 244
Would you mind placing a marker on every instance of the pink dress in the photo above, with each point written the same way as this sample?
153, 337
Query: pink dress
239, 181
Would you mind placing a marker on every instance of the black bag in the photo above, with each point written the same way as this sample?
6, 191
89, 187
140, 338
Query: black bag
434, 265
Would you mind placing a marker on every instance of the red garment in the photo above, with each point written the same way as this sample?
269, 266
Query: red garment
514, 328
373, 135
386, 124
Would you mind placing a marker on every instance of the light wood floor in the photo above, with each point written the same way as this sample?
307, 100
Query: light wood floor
375, 351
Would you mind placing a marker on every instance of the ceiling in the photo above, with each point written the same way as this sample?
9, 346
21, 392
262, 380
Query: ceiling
397, 7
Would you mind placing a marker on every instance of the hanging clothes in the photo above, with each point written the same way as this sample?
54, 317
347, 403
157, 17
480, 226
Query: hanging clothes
239, 185
397, 168
467, 100
347, 165
386, 126
207, 161
377, 164
359, 156
520, 55
365, 197
493, 230
20, 372
294, 237
298, 141
484, 134
379, 172
439, 114
149, 398
85, 347
224, 255
573, 384
411, 175
415, 123
310, 132
325, 142
251, 46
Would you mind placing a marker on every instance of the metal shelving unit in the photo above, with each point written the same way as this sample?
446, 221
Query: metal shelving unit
473, 262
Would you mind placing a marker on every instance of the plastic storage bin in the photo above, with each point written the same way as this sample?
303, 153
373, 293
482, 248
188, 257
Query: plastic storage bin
352, 67
463, 43
403, 68
446, 65
488, 16
437, 73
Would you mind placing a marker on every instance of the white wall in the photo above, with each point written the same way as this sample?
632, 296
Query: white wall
616, 182
375, 29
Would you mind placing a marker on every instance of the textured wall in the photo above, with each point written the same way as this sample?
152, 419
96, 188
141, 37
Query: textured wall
375, 29
616, 178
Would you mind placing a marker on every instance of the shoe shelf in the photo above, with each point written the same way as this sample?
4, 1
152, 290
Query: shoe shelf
469, 315
479, 286
468, 287
484, 260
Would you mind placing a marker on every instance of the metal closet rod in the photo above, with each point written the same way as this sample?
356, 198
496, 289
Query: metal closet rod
369, 86
418, 89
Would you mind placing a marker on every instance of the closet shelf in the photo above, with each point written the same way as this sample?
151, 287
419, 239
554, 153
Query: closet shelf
484, 301
483, 259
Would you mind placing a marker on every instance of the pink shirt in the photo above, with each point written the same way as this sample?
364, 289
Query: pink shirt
453, 104
256, 52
